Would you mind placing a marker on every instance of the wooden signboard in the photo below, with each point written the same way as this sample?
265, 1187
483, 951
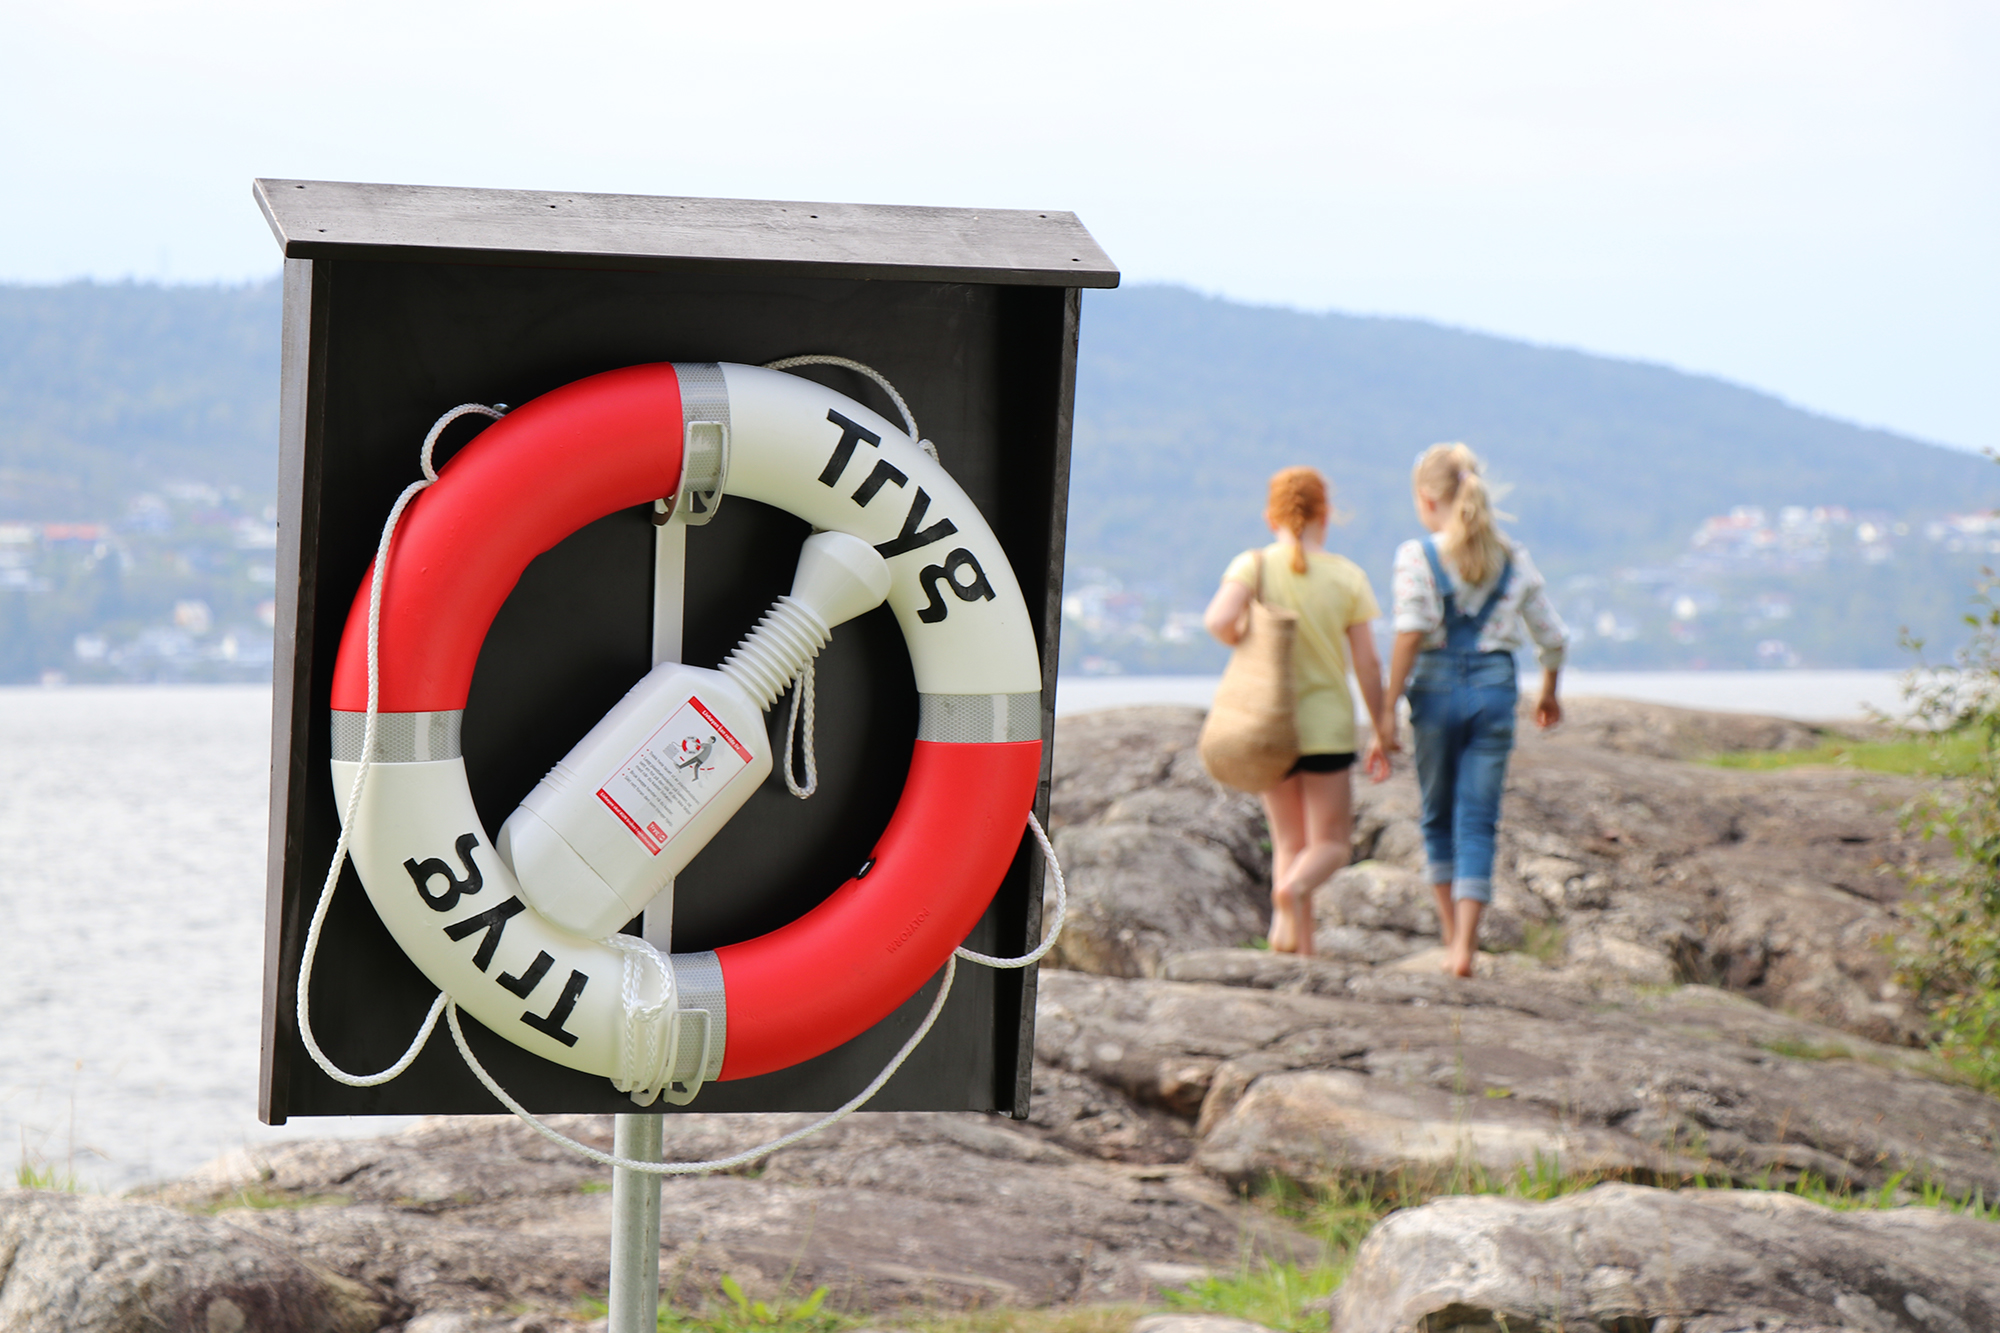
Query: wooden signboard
401, 302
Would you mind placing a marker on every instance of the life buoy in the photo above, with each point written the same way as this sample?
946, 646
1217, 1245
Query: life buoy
625, 438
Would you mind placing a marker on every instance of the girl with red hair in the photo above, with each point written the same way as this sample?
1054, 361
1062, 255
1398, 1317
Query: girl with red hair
1311, 810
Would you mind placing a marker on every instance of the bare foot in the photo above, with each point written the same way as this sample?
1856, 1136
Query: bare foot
1284, 932
1457, 966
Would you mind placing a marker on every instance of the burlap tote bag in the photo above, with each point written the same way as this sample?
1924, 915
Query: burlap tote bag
1251, 738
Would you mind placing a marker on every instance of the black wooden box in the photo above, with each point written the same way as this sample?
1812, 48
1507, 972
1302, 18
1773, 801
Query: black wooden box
401, 302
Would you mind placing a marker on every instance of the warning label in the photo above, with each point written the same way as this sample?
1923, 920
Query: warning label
669, 779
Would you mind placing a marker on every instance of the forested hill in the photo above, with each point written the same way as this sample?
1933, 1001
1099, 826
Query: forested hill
1186, 404
107, 391
116, 395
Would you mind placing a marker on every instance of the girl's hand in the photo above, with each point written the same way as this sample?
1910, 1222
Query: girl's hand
1548, 711
1376, 764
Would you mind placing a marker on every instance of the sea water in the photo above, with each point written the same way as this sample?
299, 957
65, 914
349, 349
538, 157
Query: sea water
132, 836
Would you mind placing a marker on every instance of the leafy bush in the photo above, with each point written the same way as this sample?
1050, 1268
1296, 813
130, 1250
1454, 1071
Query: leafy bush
1950, 959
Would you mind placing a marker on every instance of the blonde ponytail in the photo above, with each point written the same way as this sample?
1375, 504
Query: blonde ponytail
1470, 539
1298, 500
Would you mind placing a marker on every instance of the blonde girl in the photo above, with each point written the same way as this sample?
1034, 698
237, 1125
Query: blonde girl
1464, 597
1310, 811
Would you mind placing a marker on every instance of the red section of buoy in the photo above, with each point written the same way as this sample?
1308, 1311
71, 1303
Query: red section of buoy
529, 480
846, 965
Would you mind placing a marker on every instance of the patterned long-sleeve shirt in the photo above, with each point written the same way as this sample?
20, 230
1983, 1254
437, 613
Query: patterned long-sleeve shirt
1524, 611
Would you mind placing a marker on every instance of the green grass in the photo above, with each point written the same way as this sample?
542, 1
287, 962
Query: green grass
1799, 1049
1544, 941
1953, 754
37, 1175
255, 1196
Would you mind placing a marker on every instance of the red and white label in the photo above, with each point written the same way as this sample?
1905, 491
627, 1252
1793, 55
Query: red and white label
673, 775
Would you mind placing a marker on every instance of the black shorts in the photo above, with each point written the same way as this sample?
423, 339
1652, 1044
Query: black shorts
1323, 763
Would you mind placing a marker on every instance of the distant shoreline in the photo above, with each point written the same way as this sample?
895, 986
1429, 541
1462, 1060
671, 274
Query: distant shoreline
1807, 696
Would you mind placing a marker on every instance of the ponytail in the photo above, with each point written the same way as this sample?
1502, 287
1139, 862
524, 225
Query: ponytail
1470, 539
1298, 500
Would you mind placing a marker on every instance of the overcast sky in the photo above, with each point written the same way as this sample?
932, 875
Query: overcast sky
1799, 195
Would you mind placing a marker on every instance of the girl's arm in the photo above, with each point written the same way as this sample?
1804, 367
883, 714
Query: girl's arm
1368, 672
1402, 660
1367, 668
1551, 638
1227, 611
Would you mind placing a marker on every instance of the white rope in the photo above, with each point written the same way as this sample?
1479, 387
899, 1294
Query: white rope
1055, 928
375, 581
848, 1108
802, 705
909, 422
651, 1040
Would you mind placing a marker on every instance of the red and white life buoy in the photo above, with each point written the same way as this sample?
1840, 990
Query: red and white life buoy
613, 441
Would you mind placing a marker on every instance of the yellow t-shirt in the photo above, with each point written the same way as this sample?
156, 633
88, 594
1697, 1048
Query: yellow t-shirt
1332, 595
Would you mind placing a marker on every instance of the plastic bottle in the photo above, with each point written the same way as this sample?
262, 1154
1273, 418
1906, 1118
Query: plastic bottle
654, 780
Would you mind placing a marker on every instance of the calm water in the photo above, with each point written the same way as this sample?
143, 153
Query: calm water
132, 903
131, 928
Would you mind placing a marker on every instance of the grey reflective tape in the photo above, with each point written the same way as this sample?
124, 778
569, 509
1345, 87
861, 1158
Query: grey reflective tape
704, 440
400, 738
698, 986
704, 393
979, 719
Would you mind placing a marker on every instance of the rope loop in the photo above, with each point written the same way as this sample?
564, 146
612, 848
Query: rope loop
803, 690
817, 359
375, 580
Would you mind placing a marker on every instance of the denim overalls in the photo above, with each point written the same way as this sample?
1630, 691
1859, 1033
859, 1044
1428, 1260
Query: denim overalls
1462, 711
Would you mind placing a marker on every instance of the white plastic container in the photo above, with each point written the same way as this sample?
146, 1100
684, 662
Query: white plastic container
652, 782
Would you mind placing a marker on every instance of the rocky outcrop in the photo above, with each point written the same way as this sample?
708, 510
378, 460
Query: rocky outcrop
1622, 863
1175, 1067
463, 1219
1622, 1257
84, 1265
1159, 857
1324, 1070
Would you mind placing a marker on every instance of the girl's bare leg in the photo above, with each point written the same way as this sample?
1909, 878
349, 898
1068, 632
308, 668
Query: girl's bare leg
1284, 807
1447, 926
1465, 938
1327, 800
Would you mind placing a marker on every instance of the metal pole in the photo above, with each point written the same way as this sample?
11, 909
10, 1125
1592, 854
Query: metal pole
635, 1228
635, 1195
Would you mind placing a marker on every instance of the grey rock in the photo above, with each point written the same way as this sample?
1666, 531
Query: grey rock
1159, 857
1621, 864
70, 1264
1302, 1069
1626, 1257
475, 1217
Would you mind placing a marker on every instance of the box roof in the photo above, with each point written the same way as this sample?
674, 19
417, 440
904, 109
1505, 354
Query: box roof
344, 220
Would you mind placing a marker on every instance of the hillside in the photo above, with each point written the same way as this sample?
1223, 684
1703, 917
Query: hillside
1186, 404
107, 391
151, 413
